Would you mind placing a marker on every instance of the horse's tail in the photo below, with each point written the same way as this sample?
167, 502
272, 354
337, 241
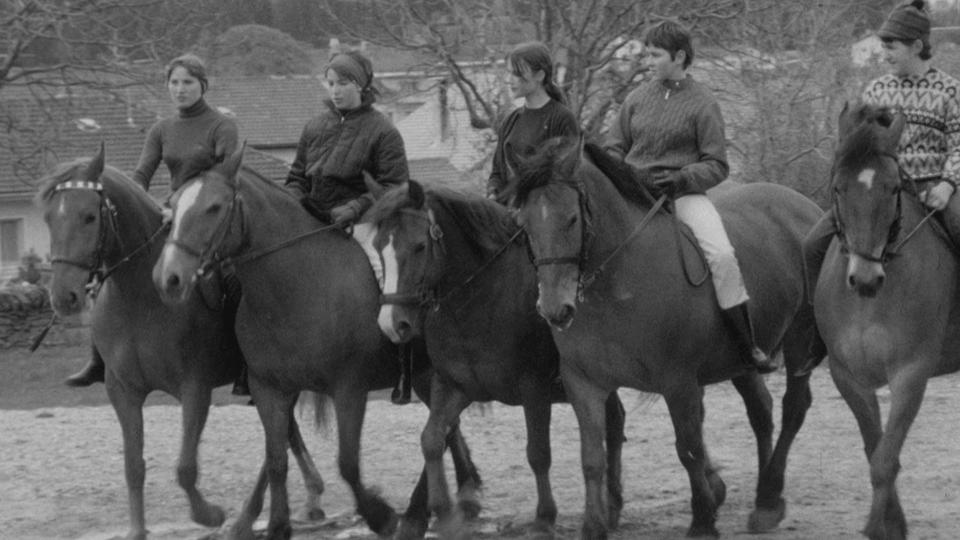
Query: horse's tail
320, 408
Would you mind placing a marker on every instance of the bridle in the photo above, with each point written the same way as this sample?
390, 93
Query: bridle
211, 255
425, 296
892, 246
94, 263
586, 279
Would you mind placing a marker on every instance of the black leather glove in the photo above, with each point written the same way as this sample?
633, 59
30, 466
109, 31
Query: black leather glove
314, 209
670, 184
345, 214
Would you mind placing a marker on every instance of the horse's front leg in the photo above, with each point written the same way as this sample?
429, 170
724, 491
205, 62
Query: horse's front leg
274, 407
616, 418
194, 409
686, 411
129, 409
588, 403
351, 406
446, 404
535, 394
887, 520
862, 401
312, 480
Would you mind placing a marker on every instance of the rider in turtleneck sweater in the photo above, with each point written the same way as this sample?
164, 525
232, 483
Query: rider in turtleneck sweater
198, 128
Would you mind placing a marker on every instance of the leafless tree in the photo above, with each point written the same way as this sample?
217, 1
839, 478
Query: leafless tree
54, 50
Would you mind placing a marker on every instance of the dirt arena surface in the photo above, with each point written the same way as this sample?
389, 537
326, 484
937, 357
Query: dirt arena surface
62, 464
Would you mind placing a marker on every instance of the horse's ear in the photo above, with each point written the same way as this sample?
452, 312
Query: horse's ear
375, 188
569, 157
231, 163
892, 137
846, 123
415, 194
95, 167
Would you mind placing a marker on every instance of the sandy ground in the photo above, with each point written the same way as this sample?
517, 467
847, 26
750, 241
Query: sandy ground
62, 474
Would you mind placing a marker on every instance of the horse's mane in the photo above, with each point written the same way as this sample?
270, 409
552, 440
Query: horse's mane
113, 179
486, 223
863, 142
547, 165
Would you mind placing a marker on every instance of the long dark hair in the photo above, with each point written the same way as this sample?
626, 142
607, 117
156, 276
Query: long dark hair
536, 56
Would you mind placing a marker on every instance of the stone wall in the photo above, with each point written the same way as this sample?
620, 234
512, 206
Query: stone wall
25, 311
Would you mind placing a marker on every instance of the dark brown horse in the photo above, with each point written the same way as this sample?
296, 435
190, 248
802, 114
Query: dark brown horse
456, 272
102, 223
886, 301
613, 285
306, 321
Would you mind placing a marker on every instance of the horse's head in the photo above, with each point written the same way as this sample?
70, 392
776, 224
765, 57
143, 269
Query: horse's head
207, 227
80, 218
553, 210
867, 191
408, 239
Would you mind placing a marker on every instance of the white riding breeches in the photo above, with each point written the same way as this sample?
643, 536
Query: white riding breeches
363, 233
702, 217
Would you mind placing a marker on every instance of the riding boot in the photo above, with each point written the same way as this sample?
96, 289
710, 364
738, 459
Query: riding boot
738, 318
91, 373
232, 293
401, 392
815, 247
240, 385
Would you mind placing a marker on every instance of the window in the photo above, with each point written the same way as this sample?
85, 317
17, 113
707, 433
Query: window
11, 231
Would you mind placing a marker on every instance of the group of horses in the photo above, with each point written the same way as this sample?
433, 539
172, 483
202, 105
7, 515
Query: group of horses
586, 277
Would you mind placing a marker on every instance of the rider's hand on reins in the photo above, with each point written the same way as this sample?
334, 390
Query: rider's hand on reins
938, 196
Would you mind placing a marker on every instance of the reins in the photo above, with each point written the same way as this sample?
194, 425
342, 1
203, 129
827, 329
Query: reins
426, 297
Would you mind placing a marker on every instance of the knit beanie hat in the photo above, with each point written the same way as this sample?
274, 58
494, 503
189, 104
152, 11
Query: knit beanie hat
908, 21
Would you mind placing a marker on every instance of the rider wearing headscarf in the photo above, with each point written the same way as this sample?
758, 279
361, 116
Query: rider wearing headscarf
340, 151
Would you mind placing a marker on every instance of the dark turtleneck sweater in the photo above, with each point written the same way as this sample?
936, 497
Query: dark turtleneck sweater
197, 131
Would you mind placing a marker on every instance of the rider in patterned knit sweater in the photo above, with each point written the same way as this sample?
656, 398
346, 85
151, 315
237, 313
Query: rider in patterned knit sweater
929, 148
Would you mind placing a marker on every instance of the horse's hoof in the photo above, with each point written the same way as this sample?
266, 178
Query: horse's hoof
240, 531
718, 487
541, 530
453, 527
708, 531
613, 518
593, 531
279, 532
766, 519
137, 535
311, 513
212, 516
469, 507
409, 529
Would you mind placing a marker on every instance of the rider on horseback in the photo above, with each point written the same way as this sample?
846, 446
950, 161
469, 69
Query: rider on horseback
929, 148
338, 148
653, 134
198, 128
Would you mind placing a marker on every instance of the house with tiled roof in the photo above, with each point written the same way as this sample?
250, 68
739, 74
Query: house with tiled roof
270, 112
